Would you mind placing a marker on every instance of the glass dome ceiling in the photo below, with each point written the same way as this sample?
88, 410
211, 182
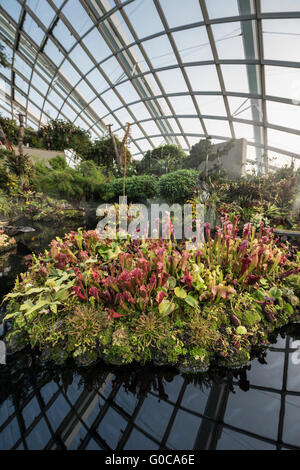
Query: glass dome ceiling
177, 70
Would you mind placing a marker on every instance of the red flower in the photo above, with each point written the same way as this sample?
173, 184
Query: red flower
160, 296
79, 294
152, 283
94, 292
187, 278
112, 314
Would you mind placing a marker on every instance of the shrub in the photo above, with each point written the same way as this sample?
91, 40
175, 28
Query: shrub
68, 183
138, 188
178, 186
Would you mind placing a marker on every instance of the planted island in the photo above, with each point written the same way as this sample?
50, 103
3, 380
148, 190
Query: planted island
123, 301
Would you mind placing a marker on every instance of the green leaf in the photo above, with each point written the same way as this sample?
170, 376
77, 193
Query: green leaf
190, 300
37, 290
32, 308
241, 330
288, 308
181, 293
53, 308
166, 307
260, 295
171, 282
10, 315
275, 292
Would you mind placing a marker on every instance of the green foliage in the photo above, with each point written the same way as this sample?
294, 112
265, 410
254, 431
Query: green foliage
103, 154
58, 163
10, 129
68, 183
178, 186
60, 135
162, 160
138, 188
3, 57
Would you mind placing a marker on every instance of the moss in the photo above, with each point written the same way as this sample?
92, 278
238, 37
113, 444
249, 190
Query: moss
16, 341
249, 318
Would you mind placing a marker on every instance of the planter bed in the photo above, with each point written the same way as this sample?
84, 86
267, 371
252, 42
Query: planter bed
142, 301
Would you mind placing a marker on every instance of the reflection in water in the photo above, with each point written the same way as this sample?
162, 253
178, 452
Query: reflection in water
49, 407
43, 406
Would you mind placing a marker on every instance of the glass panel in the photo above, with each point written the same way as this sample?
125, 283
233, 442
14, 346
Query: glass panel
123, 115
128, 93
97, 45
217, 127
33, 30
113, 70
284, 140
283, 82
136, 132
150, 128
99, 108
97, 80
281, 39
279, 5
50, 110
42, 10
229, 40
243, 131
21, 83
236, 78
173, 81
140, 111
118, 22
70, 73
77, 16
22, 66
137, 14
111, 99
68, 112
12, 7
191, 126
36, 98
160, 52
33, 110
211, 105
81, 59
27, 49
217, 9
204, 78
64, 36
85, 91
39, 83
193, 45
138, 57
180, 13
183, 105
53, 52
55, 98
283, 114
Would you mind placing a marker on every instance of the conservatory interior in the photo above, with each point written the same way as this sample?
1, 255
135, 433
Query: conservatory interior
149, 225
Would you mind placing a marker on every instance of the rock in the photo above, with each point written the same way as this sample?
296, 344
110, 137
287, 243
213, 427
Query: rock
15, 229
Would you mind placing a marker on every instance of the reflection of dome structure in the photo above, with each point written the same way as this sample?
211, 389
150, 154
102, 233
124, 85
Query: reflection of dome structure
162, 410
197, 68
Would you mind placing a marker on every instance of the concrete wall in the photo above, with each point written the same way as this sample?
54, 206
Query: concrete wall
40, 155
235, 160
